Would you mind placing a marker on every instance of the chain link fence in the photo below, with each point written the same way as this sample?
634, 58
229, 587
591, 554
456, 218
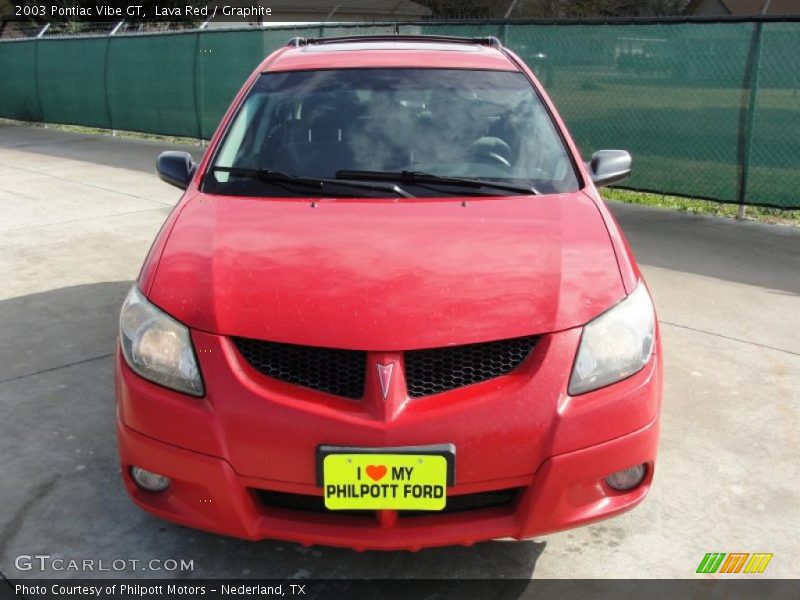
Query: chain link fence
708, 110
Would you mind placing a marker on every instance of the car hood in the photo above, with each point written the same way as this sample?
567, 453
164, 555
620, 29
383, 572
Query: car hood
375, 274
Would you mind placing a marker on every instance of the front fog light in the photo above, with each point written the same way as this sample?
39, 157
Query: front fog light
627, 479
149, 481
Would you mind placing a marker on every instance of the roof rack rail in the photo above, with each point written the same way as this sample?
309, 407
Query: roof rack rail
451, 39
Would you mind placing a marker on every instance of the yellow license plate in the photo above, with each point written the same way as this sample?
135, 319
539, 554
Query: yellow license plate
385, 481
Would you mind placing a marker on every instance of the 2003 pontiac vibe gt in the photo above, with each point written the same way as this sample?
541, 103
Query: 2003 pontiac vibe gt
390, 311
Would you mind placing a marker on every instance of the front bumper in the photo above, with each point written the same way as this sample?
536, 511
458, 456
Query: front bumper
520, 436
565, 492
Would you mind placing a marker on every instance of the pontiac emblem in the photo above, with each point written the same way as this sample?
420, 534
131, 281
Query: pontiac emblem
385, 375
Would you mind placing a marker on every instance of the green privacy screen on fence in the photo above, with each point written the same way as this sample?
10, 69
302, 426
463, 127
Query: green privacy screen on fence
707, 109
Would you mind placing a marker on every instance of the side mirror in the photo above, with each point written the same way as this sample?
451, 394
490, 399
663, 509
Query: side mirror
176, 168
609, 166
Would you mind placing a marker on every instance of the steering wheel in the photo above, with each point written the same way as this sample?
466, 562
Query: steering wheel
493, 151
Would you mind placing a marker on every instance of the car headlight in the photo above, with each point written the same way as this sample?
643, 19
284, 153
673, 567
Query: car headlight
616, 344
157, 347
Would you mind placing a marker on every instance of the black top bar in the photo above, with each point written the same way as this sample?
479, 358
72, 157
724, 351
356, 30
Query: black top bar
451, 39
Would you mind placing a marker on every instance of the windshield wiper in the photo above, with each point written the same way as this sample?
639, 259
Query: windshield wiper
275, 176
420, 177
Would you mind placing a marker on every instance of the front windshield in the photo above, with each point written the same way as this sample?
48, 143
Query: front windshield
477, 124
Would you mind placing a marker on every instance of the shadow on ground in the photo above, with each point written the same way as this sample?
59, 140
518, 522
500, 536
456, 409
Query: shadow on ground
124, 153
60, 489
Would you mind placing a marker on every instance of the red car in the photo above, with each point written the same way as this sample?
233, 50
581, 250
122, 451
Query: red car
391, 311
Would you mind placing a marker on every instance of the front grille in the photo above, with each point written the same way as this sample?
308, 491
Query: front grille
338, 372
442, 369
342, 372
465, 502
316, 504
302, 502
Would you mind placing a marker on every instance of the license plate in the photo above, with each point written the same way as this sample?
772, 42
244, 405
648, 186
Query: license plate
371, 481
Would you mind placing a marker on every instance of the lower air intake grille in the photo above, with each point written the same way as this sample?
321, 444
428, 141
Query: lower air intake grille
338, 372
467, 502
464, 502
442, 369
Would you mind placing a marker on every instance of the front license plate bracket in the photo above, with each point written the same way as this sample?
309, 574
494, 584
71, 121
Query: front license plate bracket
399, 478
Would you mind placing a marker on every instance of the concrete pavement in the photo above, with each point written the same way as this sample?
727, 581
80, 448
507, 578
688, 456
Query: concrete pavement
78, 215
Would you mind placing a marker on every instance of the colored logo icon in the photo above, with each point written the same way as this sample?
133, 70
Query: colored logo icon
734, 562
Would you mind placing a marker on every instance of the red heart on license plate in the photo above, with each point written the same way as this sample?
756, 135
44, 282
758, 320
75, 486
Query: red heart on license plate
376, 472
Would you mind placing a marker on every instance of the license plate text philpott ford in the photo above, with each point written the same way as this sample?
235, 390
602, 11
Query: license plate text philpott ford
385, 481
